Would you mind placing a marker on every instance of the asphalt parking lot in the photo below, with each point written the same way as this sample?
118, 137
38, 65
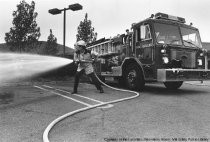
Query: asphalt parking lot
156, 115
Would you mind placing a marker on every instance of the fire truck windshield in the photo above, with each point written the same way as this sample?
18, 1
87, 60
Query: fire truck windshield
169, 34
191, 37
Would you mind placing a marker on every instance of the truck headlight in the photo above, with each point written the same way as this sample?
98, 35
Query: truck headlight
200, 62
163, 51
165, 60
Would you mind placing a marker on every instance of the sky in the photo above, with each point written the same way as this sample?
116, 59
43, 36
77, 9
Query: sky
109, 17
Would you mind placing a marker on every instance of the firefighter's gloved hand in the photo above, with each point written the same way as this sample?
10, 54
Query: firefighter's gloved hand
77, 62
95, 60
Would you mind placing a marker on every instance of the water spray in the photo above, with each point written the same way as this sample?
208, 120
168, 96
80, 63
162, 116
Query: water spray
14, 66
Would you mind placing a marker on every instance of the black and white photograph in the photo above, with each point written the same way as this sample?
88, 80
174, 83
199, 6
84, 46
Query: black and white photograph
104, 71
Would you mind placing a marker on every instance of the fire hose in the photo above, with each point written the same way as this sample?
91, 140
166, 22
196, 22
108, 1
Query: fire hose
57, 120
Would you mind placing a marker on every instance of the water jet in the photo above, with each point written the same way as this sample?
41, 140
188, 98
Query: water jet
14, 66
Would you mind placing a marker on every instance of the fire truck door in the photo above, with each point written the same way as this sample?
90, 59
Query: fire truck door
145, 49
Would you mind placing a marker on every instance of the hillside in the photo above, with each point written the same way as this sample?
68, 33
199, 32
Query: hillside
3, 48
68, 50
41, 45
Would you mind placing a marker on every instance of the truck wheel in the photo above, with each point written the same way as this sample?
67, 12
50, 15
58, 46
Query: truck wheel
173, 85
134, 79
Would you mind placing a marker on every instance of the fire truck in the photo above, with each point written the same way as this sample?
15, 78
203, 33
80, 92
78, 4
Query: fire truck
161, 48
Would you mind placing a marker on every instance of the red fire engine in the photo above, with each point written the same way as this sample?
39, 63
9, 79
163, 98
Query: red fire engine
161, 48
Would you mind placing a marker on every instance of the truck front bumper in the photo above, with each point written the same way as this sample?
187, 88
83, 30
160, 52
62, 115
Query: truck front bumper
165, 75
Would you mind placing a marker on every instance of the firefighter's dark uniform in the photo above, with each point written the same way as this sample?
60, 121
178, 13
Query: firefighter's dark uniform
85, 66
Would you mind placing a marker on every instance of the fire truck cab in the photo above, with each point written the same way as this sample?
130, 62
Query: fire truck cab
161, 48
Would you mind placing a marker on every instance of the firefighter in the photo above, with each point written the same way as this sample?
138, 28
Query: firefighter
128, 42
127, 36
83, 58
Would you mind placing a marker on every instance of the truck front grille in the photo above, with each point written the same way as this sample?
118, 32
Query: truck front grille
188, 58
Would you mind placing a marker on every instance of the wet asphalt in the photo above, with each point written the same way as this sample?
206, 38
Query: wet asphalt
157, 114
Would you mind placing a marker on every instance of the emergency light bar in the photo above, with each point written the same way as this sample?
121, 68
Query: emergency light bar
169, 17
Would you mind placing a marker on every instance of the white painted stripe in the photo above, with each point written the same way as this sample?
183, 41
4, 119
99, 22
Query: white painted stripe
64, 96
81, 96
47, 86
40, 88
76, 94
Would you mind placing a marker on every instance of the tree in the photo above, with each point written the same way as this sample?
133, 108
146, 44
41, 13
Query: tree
86, 31
24, 34
51, 47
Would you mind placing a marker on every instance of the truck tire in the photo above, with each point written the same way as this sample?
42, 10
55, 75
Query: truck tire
133, 77
173, 85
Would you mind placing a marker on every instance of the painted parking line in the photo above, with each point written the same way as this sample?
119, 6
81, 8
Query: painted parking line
41, 88
75, 94
63, 96
47, 86
197, 84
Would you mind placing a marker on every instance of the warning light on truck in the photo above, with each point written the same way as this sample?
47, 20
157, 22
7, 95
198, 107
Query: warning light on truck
169, 17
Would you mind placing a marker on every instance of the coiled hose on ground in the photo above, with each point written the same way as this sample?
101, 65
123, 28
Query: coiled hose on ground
54, 122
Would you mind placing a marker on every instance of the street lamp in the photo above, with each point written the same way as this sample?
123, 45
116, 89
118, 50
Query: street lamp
55, 11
